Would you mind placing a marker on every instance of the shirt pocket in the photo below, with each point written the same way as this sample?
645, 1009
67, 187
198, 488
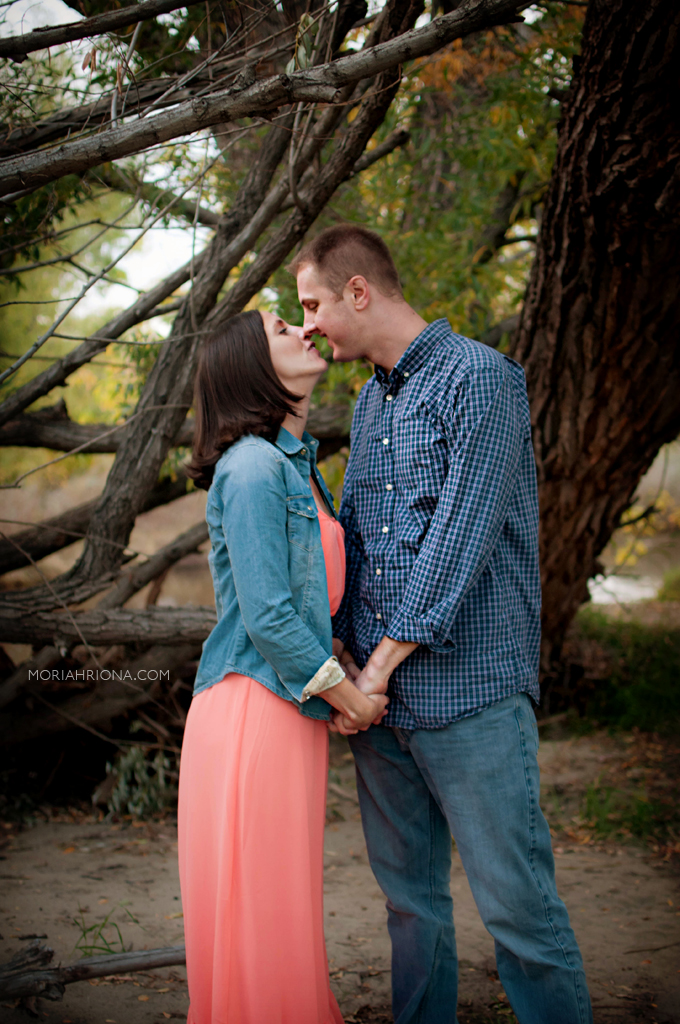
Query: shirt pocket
301, 521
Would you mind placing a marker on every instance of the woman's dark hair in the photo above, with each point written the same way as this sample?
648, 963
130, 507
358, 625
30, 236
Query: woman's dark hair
237, 392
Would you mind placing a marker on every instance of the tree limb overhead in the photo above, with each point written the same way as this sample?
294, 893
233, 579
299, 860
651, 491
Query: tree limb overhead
16, 47
318, 84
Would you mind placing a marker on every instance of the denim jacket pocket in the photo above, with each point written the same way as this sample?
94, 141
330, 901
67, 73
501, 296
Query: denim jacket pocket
302, 512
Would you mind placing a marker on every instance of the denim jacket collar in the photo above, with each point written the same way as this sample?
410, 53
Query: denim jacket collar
291, 445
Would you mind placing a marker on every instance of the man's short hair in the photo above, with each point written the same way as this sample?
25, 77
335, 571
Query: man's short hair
340, 252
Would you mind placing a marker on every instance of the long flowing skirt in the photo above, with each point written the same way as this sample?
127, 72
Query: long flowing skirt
252, 798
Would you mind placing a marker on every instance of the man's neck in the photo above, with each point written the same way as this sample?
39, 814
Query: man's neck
394, 329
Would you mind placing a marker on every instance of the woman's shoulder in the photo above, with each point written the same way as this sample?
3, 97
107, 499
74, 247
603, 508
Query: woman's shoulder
248, 458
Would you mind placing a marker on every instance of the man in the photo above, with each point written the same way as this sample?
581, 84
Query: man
441, 610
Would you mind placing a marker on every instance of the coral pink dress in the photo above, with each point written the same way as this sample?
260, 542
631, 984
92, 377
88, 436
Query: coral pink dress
252, 800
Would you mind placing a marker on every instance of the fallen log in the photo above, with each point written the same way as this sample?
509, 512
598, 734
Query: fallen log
188, 624
27, 974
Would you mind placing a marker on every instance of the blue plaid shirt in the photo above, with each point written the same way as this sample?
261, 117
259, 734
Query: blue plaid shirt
440, 512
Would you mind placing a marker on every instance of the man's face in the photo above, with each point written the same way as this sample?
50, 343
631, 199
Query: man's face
333, 318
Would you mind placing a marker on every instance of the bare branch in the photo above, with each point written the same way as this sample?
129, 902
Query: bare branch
398, 138
113, 177
53, 534
16, 47
97, 277
319, 84
134, 579
27, 974
145, 307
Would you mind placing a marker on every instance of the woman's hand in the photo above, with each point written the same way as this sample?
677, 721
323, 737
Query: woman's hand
357, 711
352, 670
340, 723
346, 659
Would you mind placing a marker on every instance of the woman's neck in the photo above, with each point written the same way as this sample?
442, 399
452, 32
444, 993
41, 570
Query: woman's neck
296, 425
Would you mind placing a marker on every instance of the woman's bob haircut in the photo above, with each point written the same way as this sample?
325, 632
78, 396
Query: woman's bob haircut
237, 392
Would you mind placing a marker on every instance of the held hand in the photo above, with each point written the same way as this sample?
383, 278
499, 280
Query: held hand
340, 723
352, 670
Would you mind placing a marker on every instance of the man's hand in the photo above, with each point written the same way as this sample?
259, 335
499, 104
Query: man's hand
389, 653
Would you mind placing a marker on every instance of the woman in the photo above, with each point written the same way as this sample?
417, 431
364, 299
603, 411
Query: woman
255, 754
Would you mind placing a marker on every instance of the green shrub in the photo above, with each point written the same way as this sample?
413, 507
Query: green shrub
642, 688
670, 589
142, 786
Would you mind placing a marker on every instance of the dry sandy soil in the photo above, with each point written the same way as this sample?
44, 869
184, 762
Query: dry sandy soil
66, 874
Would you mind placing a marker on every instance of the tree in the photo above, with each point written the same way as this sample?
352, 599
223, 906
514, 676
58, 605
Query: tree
598, 335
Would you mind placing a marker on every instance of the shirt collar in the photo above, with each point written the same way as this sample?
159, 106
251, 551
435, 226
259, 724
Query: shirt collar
418, 352
291, 445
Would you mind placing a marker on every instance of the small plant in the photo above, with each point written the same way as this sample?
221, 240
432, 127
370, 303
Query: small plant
92, 939
142, 785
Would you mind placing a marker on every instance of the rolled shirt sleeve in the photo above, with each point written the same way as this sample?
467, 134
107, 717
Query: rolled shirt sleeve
255, 529
486, 435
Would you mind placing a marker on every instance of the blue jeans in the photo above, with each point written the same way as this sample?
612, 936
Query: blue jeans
478, 780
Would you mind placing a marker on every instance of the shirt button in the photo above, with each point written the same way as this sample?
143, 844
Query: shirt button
406, 375
309, 508
303, 451
378, 616
388, 487
388, 398
378, 572
385, 529
386, 440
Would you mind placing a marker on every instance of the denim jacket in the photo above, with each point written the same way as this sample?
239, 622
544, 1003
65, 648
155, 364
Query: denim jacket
269, 575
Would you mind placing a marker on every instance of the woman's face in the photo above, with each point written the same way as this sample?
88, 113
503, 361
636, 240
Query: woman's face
294, 357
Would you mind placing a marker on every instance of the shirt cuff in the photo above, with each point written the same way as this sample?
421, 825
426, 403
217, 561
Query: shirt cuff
330, 674
411, 629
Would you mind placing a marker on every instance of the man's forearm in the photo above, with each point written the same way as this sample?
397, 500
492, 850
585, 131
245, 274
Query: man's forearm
385, 658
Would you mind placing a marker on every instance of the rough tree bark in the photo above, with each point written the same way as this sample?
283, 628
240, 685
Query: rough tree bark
598, 336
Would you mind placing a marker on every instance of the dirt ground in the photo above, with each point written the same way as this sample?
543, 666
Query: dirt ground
63, 876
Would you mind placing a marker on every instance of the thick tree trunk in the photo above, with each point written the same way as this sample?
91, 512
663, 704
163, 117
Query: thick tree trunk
599, 331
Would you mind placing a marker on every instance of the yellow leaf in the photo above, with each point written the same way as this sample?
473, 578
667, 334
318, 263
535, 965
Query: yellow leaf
142, 999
